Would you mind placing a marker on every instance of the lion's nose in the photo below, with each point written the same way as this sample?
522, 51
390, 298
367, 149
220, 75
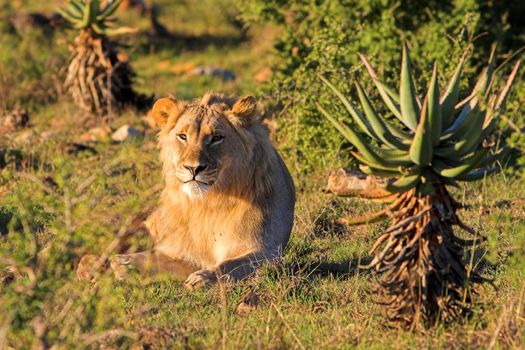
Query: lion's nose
194, 170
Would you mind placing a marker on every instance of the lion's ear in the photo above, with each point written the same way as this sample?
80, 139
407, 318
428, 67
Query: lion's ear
165, 108
245, 109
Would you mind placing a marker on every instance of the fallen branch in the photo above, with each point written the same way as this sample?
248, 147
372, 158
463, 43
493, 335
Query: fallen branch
350, 182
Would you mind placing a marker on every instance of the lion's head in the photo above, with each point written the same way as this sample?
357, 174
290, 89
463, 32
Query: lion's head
207, 145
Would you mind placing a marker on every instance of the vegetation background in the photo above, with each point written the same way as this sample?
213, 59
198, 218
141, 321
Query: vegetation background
67, 190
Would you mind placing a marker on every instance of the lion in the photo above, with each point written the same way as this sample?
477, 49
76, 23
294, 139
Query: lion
228, 201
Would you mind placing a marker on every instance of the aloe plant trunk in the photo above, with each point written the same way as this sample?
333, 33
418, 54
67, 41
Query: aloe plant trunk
420, 258
99, 78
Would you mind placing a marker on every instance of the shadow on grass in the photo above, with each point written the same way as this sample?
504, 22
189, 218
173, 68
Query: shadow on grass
162, 38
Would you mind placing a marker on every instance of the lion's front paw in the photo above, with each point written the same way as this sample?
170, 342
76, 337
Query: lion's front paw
85, 268
201, 279
120, 264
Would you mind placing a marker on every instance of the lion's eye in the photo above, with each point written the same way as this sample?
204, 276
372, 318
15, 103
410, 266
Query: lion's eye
183, 137
217, 138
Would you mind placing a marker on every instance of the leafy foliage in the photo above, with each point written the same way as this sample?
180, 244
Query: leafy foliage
90, 14
323, 37
31, 61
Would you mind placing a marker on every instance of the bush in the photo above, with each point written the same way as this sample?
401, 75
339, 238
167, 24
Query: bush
30, 62
323, 37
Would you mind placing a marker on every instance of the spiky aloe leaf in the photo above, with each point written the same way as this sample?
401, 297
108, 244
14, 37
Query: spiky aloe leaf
109, 10
379, 172
384, 94
77, 7
486, 77
403, 184
470, 139
378, 126
503, 96
87, 14
407, 93
477, 174
466, 166
359, 119
421, 148
68, 15
461, 123
378, 166
494, 157
434, 108
393, 95
399, 133
451, 95
358, 141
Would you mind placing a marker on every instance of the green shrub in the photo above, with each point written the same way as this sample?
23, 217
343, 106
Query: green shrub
30, 62
323, 37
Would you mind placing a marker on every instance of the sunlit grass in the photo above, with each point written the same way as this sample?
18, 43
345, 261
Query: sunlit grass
63, 205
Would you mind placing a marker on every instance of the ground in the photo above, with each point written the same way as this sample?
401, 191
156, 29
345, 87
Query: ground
59, 202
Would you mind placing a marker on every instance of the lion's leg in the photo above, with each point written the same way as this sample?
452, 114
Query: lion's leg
233, 269
150, 263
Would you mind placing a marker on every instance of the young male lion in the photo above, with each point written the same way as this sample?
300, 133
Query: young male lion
228, 201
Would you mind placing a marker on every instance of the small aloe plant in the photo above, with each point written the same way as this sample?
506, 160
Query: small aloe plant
98, 78
435, 143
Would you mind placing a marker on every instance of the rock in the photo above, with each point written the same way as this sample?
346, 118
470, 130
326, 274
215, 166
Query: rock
125, 133
98, 134
224, 74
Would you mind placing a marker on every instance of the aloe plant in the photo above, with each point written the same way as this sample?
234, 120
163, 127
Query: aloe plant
98, 76
436, 142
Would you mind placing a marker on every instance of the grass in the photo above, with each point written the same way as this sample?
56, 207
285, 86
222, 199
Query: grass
56, 206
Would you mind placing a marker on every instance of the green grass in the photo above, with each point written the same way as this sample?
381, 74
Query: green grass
60, 206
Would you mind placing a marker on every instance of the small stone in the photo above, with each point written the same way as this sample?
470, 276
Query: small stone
125, 132
224, 74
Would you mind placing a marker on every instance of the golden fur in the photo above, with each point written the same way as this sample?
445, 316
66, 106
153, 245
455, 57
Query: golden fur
228, 200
